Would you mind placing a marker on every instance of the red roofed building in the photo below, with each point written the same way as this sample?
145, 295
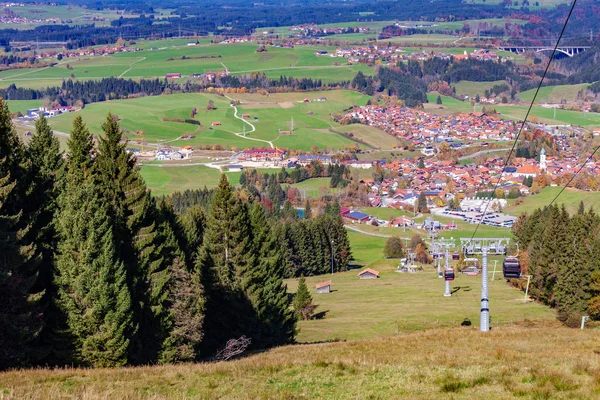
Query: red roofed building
263, 154
324, 287
528, 170
368, 274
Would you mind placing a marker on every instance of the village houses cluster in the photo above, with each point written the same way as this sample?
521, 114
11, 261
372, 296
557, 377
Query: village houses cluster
425, 129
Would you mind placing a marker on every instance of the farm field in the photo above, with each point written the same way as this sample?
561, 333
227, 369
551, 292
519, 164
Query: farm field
166, 180
313, 187
570, 198
267, 114
23, 105
422, 38
238, 59
77, 15
475, 88
553, 94
546, 115
449, 105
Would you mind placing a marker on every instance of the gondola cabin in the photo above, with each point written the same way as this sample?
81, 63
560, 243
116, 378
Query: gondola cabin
511, 268
456, 255
449, 275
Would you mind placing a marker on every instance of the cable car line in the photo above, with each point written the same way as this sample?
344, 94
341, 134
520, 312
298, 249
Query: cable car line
527, 115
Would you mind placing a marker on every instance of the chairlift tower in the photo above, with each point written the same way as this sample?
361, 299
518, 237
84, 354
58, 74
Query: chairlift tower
483, 247
447, 292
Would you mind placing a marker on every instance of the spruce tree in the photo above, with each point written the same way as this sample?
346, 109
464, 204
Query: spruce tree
575, 275
80, 146
303, 301
225, 260
267, 292
133, 217
21, 315
45, 182
91, 280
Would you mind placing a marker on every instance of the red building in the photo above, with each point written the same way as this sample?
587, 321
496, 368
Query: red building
263, 154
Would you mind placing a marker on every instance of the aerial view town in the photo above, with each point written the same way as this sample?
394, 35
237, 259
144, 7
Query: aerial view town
305, 199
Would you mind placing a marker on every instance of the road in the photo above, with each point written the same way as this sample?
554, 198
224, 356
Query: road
480, 153
242, 134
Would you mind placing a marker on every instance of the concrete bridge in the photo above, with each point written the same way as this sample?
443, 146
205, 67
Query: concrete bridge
569, 51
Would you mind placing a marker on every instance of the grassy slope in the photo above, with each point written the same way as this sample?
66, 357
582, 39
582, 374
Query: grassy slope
147, 114
23, 105
553, 93
474, 88
570, 198
362, 309
539, 362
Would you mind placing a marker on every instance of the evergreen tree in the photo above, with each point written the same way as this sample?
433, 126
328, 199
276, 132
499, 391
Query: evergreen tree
91, 280
303, 301
288, 211
21, 315
575, 274
439, 100
225, 261
133, 217
422, 203
267, 292
307, 210
421, 164
80, 146
44, 179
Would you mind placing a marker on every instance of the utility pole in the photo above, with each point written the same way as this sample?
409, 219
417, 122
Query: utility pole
484, 316
332, 242
527, 289
494, 273
292, 131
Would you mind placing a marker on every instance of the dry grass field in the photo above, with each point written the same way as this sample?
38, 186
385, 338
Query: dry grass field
529, 361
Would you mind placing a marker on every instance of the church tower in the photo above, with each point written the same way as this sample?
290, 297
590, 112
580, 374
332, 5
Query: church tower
543, 165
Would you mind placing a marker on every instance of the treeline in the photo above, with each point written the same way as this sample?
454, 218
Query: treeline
95, 271
479, 71
560, 252
84, 92
397, 82
255, 181
242, 19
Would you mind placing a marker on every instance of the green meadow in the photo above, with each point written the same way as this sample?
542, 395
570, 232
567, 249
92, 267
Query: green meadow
402, 302
569, 197
475, 88
23, 105
553, 94
175, 56
313, 125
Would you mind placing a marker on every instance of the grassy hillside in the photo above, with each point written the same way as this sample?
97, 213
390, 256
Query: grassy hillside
553, 94
570, 198
23, 105
475, 88
538, 362
313, 125
362, 309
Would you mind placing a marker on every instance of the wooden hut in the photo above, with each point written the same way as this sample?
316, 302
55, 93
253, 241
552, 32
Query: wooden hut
368, 274
324, 287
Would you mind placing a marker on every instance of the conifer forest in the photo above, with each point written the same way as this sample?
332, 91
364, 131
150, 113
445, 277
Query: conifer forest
96, 272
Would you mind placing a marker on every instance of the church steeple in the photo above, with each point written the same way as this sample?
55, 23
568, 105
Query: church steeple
543, 165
